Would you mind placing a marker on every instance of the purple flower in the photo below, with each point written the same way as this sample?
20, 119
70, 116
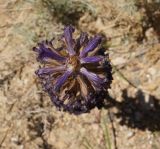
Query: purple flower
75, 75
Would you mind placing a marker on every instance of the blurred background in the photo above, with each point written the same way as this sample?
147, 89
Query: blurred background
28, 120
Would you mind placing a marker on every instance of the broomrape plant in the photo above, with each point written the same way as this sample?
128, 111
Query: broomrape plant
76, 75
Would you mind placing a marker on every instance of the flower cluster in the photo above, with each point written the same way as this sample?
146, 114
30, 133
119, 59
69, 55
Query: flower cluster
76, 75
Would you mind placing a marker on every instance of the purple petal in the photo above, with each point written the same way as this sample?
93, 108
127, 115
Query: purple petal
50, 70
94, 78
83, 39
91, 59
45, 53
93, 43
69, 40
60, 81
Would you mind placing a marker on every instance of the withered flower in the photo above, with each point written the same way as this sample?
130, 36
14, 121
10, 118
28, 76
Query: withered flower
77, 75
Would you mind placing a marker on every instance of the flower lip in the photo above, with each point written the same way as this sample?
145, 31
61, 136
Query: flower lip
69, 40
50, 70
61, 80
97, 82
91, 59
45, 53
92, 44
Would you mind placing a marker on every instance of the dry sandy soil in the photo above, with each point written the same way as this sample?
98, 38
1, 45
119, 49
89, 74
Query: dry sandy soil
28, 119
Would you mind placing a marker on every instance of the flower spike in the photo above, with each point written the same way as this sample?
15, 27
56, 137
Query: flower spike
78, 81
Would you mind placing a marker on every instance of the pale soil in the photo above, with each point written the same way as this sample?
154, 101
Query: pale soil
27, 117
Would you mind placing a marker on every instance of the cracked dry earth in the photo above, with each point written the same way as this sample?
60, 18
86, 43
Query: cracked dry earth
28, 119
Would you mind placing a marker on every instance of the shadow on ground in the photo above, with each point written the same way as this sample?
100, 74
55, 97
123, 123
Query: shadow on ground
152, 15
67, 11
142, 112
